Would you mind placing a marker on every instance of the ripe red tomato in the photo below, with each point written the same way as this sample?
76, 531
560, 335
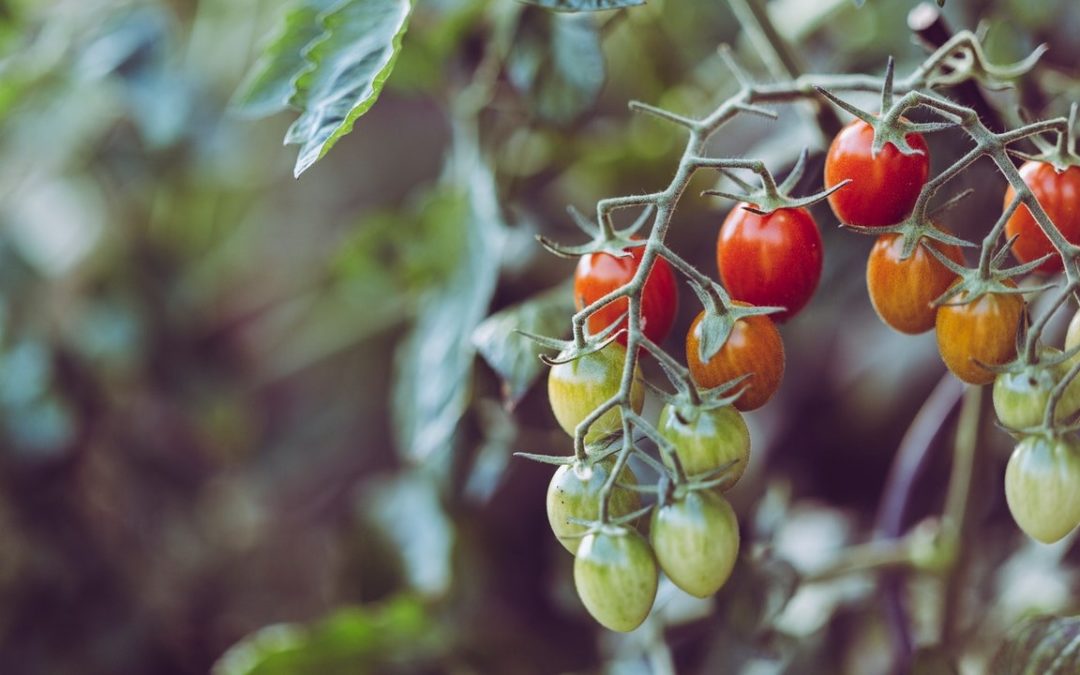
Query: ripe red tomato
770, 260
1059, 195
885, 188
902, 290
598, 274
983, 330
754, 346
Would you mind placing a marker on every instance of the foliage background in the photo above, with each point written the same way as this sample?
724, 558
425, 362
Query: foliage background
231, 399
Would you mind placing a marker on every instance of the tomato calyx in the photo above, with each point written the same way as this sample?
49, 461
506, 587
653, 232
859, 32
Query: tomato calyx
769, 197
1061, 155
605, 238
919, 228
571, 350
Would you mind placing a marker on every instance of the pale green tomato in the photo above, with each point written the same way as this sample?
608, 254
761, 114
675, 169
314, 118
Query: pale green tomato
1042, 487
696, 540
1020, 397
706, 440
616, 577
574, 492
578, 387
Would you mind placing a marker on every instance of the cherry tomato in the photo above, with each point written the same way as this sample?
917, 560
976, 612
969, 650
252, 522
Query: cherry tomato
884, 189
754, 346
1020, 397
706, 440
578, 387
574, 492
696, 540
616, 577
983, 330
598, 274
1059, 195
902, 290
1042, 487
773, 260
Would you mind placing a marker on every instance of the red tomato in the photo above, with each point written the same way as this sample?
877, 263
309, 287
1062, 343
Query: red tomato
770, 260
754, 346
885, 188
1059, 195
598, 274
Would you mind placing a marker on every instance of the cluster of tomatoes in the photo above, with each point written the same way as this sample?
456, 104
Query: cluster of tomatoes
977, 336
774, 259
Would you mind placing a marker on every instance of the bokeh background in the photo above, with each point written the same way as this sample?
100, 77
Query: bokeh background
230, 399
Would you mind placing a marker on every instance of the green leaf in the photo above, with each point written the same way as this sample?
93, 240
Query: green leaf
583, 5
355, 640
350, 64
514, 357
271, 84
558, 64
1045, 645
434, 365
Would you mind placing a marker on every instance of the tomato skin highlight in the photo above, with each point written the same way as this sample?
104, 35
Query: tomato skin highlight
705, 440
574, 492
1042, 487
580, 386
754, 346
696, 540
884, 189
1059, 195
984, 330
598, 274
772, 260
616, 576
901, 290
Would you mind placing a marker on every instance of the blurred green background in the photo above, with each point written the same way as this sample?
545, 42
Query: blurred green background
230, 399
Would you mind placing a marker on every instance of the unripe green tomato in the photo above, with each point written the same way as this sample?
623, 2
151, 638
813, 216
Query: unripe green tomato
616, 577
574, 492
578, 387
696, 539
1020, 397
1042, 487
706, 440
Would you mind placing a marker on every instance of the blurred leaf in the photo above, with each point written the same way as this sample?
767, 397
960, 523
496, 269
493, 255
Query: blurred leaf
434, 366
1046, 645
272, 82
349, 64
558, 63
352, 641
129, 43
583, 5
513, 356
408, 513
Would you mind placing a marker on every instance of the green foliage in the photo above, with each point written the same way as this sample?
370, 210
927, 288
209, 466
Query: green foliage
512, 355
557, 63
351, 641
331, 62
1045, 645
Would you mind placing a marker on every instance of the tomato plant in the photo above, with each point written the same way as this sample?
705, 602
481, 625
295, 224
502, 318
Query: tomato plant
1042, 487
1059, 194
771, 260
753, 348
598, 274
902, 290
982, 331
574, 492
883, 188
706, 440
616, 577
577, 388
696, 540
